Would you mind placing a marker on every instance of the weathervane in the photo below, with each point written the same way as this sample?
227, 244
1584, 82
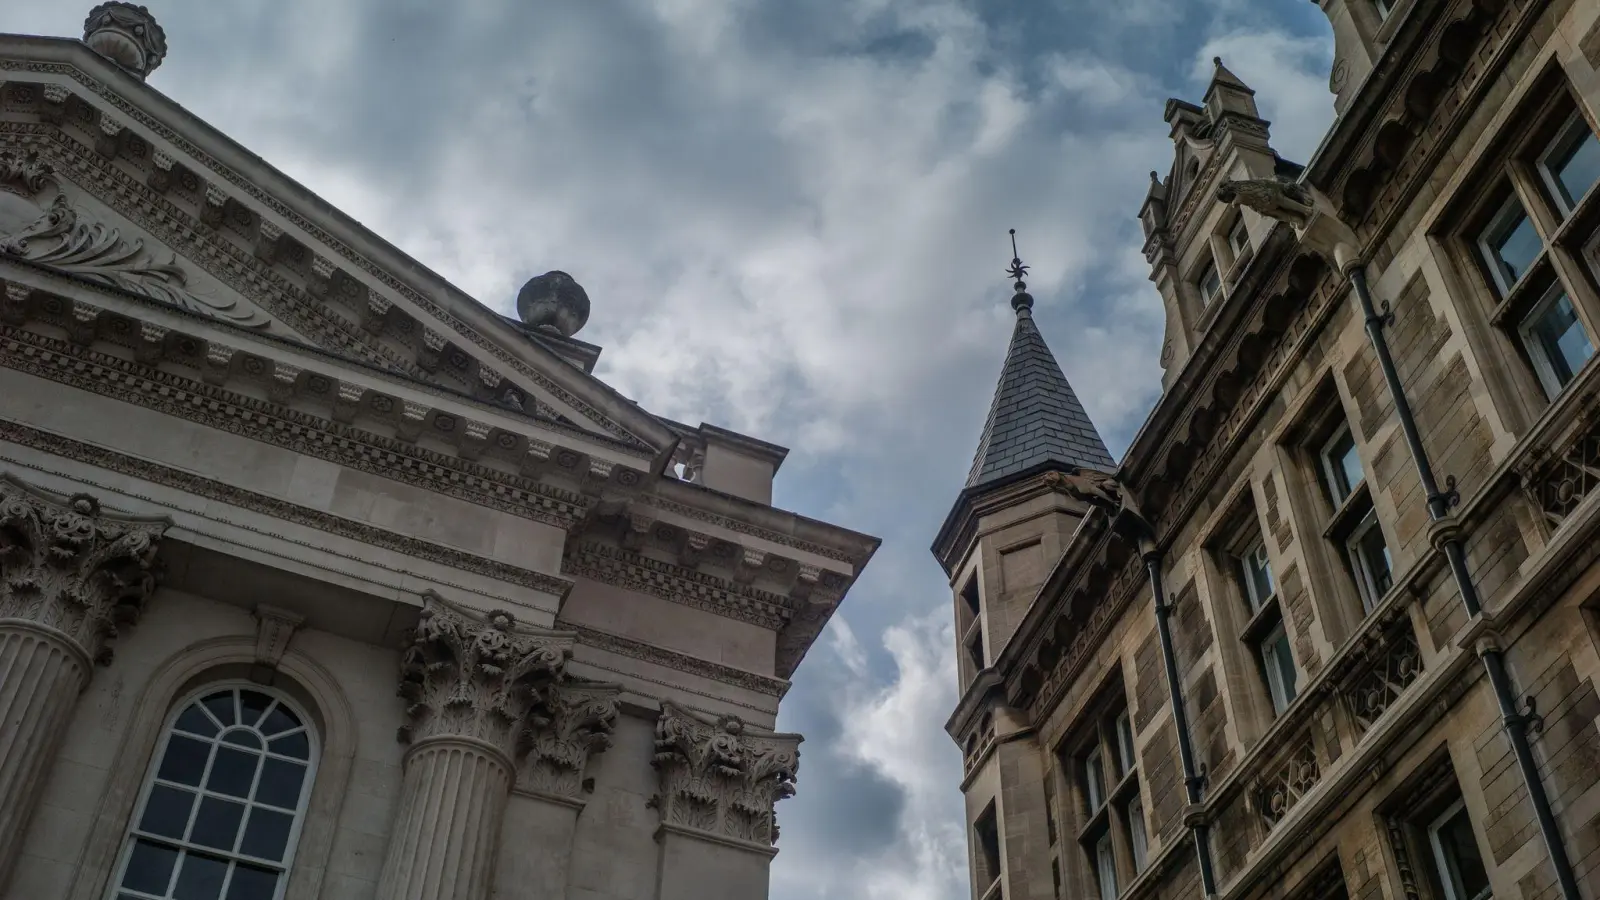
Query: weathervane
1021, 300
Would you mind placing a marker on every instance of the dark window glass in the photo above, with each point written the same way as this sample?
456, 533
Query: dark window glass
167, 811
253, 705
195, 721
200, 878
1560, 339
184, 761
149, 868
280, 783
1574, 162
267, 835
251, 883
233, 772
217, 823
1512, 243
295, 745
222, 706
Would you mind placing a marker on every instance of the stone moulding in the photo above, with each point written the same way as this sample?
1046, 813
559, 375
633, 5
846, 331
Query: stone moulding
622, 568
721, 777
247, 187
70, 566
682, 662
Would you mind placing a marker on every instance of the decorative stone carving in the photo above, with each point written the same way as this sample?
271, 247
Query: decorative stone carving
720, 776
64, 240
23, 173
67, 566
477, 676
553, 302
576, 724
274, 629
128, 35
348, 402
1271, 197
1281, 787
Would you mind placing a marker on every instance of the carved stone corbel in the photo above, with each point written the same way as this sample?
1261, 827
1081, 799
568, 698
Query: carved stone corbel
55, 103
413, 416
375, 316
268, 234
109, 140
720, 776
751, 562
284, 379
537, 459
348, 402
321, 279
212, 205
152, 344
274, 629
218, 366
596, 474
433, 344
639, 526
693, 550
160, 177
576, 725
14, 310
474, 438
83, 323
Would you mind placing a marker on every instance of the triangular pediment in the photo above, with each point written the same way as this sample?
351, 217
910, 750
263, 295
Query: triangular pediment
165, 208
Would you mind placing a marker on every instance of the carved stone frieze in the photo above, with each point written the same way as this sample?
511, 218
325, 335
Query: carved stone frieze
68, 565
477, 675
63, 239
575, 724
721, 776
23, 172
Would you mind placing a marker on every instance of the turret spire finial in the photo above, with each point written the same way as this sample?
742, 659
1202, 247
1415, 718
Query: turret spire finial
1021, 301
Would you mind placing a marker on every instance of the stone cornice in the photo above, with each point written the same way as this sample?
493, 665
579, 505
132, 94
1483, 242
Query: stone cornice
224, 492
625, 569
272, 423
203, 145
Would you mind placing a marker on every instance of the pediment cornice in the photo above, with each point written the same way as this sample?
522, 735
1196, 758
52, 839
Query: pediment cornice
244, 213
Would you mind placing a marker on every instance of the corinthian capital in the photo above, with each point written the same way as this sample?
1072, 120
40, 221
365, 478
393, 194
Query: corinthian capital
722, 776
68, 566
477, 675
575, 724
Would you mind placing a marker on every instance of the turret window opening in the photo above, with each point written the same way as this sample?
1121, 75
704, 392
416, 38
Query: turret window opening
986, 847
969, 613
221, 808
1105, 764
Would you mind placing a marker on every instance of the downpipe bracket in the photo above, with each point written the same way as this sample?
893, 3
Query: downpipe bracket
1383, 319
1528, 719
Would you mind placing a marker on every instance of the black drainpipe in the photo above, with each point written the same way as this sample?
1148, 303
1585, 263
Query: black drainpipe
1448, 539
1192, 779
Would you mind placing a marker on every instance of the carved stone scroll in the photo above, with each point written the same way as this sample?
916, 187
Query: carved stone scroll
576, 724
720, 776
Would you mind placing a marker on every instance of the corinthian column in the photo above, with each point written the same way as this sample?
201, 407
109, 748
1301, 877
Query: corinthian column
719, 781
69, 576
474, 683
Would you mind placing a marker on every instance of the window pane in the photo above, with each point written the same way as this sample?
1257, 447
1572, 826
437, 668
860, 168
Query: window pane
1343, 465
1460, 850
1094, 780
217, 823
1257, 576
1513, 242
195, 721
279, 721
167, 812
200, 878
1375, 554
297, 745
1125, 743
267, 835
184, 761
233, 772
1278, 664
1575, 164
149, 868
244, 738
1106, 868
221, 706
251, 883
1560, 339
280, 783
1136, 835
1210, 283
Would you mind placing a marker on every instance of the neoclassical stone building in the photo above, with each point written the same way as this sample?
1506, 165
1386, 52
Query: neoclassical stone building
1329, 629
320, 579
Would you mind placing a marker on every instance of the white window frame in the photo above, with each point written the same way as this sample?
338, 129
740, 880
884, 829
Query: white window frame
1383, 8
1126, 757
1138, 841
1542, 365
130, 829
1449, 878
1575, 124
1105, 864
1207, 298
1246, 561
1094, 779
1238, 238
1333, 472
1366, 580
1282, 694
1507, 212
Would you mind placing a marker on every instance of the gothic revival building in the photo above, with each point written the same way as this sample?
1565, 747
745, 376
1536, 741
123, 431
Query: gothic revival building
320, 579
1329, 629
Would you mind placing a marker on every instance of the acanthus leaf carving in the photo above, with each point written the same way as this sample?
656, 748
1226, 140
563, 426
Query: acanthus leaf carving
477, 675
66, 241
67, 565
720, 775
576, 724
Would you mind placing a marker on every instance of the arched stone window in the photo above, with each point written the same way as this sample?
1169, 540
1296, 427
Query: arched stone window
221, 807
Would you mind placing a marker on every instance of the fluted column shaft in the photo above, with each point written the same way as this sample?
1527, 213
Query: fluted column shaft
42, 672
452, 801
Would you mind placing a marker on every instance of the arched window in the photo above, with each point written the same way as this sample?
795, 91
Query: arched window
222, 804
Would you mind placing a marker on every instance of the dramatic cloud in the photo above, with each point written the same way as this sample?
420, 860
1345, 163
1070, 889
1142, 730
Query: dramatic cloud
791, 218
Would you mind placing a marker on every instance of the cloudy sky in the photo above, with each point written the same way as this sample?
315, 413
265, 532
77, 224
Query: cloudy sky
791, 219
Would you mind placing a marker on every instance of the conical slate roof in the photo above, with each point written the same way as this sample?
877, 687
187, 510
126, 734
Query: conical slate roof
1035, 417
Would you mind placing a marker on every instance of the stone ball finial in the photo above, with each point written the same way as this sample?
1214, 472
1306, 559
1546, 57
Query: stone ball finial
553, 302
128, 35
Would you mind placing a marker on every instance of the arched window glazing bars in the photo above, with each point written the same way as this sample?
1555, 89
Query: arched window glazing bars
222, 804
